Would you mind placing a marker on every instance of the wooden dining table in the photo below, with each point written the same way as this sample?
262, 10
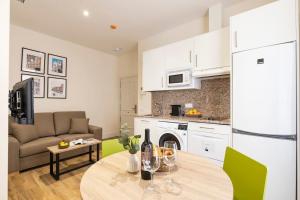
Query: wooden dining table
196, 178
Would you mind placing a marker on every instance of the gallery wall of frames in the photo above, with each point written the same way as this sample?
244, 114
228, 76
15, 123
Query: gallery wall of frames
49, 72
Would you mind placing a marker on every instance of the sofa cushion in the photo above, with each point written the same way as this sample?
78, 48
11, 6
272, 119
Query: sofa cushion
37, 146
24, 133
44, 124
62, 120
79, 125
71, 137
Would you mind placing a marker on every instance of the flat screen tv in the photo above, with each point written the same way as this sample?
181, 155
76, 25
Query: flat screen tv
21, 102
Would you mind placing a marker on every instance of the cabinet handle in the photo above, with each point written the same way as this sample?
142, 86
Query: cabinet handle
196, 60
205, 136
235, 39
190, 56
203, 127
162, 82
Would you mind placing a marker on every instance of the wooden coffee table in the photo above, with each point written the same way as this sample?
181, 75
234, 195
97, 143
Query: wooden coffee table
54, 150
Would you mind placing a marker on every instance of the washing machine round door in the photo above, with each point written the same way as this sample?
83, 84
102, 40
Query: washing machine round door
170, 137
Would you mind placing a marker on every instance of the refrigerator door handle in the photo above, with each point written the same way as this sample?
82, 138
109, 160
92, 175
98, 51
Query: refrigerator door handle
284, 137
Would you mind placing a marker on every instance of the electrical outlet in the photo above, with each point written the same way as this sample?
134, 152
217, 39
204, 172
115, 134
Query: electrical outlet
188, 105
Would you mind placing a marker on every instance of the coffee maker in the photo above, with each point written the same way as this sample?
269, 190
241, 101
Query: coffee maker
175, 110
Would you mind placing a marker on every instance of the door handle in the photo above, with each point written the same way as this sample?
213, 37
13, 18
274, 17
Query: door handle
135, 108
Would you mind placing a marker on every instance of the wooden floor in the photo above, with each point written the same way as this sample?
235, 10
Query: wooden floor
38, 184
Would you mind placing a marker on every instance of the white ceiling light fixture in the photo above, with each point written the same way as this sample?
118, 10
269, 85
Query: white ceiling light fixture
86, 13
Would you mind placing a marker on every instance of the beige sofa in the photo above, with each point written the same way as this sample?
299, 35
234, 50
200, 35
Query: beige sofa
50, 128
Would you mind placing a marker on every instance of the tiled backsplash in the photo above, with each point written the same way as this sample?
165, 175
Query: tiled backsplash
213, 99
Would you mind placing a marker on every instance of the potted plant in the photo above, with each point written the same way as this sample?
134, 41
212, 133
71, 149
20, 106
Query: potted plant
130, 143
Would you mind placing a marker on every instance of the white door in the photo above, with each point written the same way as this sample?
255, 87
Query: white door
153, 69
264, 90
271, 24
129, 89
279, 156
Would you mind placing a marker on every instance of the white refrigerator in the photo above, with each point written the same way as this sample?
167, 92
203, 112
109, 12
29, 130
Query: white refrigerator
264, 113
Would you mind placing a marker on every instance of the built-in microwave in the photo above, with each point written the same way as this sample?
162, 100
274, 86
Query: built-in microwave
177, 78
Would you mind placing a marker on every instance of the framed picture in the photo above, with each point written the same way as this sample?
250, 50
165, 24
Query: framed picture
38, 84
33, 61
57, 88
57, 65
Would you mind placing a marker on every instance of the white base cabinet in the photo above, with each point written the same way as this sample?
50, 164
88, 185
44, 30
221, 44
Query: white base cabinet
208, 140
142, 123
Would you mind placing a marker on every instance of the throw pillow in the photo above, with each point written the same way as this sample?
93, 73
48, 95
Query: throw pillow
79, 125
24, 133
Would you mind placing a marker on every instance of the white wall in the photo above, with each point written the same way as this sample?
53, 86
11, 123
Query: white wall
93, 78
128, 64
181, 32
4, 65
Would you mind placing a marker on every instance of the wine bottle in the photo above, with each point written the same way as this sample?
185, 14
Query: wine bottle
146, 144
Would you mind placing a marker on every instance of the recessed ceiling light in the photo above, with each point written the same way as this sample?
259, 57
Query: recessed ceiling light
86, 13
118, 49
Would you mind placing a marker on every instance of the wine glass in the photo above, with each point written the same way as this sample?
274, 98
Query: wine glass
169, 154
169, 158
151, 163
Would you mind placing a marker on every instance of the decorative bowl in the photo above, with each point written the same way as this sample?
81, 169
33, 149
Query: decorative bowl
63, 144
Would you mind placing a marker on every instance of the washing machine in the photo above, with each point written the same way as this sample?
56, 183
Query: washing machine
170, 131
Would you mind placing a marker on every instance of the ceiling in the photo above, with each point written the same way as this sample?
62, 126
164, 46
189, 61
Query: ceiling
137, 19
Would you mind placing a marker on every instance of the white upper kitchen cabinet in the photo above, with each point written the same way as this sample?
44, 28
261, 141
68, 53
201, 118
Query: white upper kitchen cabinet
212, 53
179, 54
153, 69
271, 24
156, 63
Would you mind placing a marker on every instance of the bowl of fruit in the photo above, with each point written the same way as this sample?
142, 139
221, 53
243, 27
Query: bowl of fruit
193, 112
63, 144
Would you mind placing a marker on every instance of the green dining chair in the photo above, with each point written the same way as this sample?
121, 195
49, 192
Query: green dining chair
248, 176
110, 147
